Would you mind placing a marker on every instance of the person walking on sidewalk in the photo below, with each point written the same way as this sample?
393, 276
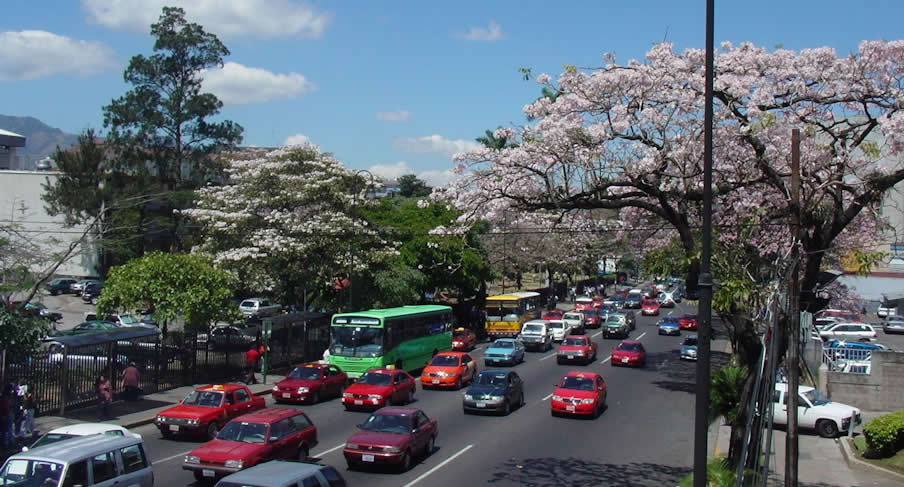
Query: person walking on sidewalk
21, 391
251, 358
130, 382
104, 398
28, 408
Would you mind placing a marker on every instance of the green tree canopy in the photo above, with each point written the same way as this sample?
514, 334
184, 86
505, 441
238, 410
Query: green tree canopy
412, 186
20, 335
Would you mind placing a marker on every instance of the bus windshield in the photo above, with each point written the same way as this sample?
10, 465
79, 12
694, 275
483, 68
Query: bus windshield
355, 341
502, 314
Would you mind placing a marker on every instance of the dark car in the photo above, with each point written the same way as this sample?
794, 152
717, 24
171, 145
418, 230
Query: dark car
226, 338
391, 436
59, 286
499, 391
633, 301
310, 383
92, 291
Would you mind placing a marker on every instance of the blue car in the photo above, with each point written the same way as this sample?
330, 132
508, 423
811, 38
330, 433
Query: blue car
669, 326
840, 349
507, 351
688, 348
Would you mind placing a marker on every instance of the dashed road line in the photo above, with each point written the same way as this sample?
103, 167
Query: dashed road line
547, 397
548, 356
331, 450
438, 466
606, 359
596, 334
640, 336
171, 457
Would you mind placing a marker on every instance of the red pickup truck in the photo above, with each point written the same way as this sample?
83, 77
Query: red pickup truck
207, 409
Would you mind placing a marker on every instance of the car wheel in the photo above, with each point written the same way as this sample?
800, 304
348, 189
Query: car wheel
315, 398
559, 360
521, 399
303, 453
212, 430
410, 397
464, 410
167, 435
198, 477
405, 464
827, 428
431, 443
341, 391
458, 382
507, 408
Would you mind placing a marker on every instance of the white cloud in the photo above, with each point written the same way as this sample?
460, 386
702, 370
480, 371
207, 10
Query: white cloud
297, 139
435, 144
391, 172
31, 54
489, 34
396, 116
236, 84
258, 18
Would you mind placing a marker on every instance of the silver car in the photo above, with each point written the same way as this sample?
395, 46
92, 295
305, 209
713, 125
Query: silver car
893, 324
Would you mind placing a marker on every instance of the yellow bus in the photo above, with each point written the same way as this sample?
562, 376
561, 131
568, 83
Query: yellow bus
507, 312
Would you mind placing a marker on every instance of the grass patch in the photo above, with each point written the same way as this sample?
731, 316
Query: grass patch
895, 462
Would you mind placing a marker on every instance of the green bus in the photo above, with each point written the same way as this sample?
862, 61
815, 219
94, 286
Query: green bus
405, 337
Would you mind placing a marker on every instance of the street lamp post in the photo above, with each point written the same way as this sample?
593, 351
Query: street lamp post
351, 257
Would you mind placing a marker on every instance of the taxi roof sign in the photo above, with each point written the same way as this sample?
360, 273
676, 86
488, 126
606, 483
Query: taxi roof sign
218, 387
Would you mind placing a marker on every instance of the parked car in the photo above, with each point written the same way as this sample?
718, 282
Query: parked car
77, 430
847, 350
886, 309
59, 286
254, 438
309, 383
856, 331
449, 369
259, 307
820, 323
38, 310
91, 291
688, 349
279, 473
893, 324
89, 327
79, 286
497, 391
207, 409
577, 348
575, 321
391, 436
814, 411
504, 351
225, 337
629, 353
379, 387
535, 335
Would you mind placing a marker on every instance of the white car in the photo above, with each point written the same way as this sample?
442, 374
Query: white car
259, 307
81, 429
814, 411
887, 310
575, 320
842, 331
559, 329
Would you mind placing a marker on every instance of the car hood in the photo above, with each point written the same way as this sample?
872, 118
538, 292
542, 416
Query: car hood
574, 348
688, 348
296, 383
189, 412
624, 353
610, 324
574, 393
836, 409
222, 450
357, 388
481, 389
670, 324
437, 368
500, 351
378, 439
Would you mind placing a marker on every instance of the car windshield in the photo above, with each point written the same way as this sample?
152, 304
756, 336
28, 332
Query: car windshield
690, 341
243, 432
207, 399
374, 379
815, 397
502, 314
388, 423
305, 373
31, 472
895, 318
248, 304
573, 316
503, 344
668, 322
589, 312
532, 329
127, 319
577, 383
356, 341
494, 379
614, 319
650, 302
557, 324
462, 335
445, 361
629, 347
575, 341
51, 438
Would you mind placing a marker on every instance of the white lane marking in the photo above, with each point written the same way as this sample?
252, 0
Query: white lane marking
331, 450
607, 359
596, 334
549, 356
641, 336
439, 466
547, 397
171, 458
670, 313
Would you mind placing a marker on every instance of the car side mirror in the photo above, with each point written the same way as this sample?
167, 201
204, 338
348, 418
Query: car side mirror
359, 426
415, 430
180, 401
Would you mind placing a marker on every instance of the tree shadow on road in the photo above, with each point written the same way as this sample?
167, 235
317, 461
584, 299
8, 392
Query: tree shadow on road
680, 375
556, 472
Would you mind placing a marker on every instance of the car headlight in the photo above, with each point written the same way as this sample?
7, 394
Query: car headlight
233, 464
556, 398
347, 395
302, 390
587, 401
374, 396
275, 389
351, 446
391, 449
443, 374
579, 352
191, 459
160, 419
496, 398
192, 422
469, 397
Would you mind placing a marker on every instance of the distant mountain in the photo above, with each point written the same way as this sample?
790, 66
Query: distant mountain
40, 139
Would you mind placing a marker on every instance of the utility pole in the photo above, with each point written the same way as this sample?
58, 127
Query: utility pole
705, 280
793, 360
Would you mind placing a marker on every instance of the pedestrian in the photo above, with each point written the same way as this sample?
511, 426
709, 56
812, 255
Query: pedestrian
19, 410
104, 398
130, 382
326, 356
251, 358
28, 408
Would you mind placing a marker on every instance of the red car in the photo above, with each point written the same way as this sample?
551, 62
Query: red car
449, 369
598, 301
463, 340
579, 393
688, 322
553, 314
379, 387
629, 353
650, 292
582, 303
310, 383
592, 318
576, 348
207, 409
649, 307
391, 436
257, 437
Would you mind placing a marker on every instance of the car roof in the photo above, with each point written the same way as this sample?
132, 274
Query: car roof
267, 415
85, 429
495, 372
220, 387
385, 371
275, 473
311, 365
451, 354
77, 448
630, 342
397, 411
581, 373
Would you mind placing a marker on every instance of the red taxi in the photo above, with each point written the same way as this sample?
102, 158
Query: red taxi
629, 353
310, 383
576, 348
391, 436
268, 434
598, 301
206, 409
552, 314
649, 307
379, 387
449, 369
688, 322
463, 339
582, 303
579, 393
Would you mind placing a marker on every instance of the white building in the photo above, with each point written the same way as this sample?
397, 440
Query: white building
8, 143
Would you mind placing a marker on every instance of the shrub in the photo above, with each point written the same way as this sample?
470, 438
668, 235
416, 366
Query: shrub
885, 434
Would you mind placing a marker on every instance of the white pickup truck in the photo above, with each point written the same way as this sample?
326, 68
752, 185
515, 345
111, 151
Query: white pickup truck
536, 335
259, 307
815, 411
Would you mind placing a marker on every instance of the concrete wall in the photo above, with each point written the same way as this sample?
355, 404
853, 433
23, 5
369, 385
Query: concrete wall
881, 390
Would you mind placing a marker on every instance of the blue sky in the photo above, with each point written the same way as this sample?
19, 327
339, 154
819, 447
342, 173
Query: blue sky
396, 87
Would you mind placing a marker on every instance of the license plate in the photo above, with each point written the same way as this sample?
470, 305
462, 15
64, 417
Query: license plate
174, 427
481, 404
207, 473
624, 360
358, 402
286, 394
367, 458
569, 408
571, 357
436, 381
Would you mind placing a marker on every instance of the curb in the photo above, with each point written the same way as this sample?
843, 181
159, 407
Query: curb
851, 458
143, 421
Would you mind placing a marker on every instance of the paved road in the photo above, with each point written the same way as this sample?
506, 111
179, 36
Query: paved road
643, 438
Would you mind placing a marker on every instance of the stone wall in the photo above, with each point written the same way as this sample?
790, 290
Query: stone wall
881, 390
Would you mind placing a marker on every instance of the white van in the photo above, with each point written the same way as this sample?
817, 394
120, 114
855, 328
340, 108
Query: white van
96, 460
814, 411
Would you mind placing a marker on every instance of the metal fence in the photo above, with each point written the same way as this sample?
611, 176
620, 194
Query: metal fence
64, 376
847, 360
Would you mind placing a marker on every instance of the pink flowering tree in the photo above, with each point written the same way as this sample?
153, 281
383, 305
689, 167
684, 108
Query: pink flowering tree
288, 221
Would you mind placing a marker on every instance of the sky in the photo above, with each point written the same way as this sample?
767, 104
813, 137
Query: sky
394, 87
